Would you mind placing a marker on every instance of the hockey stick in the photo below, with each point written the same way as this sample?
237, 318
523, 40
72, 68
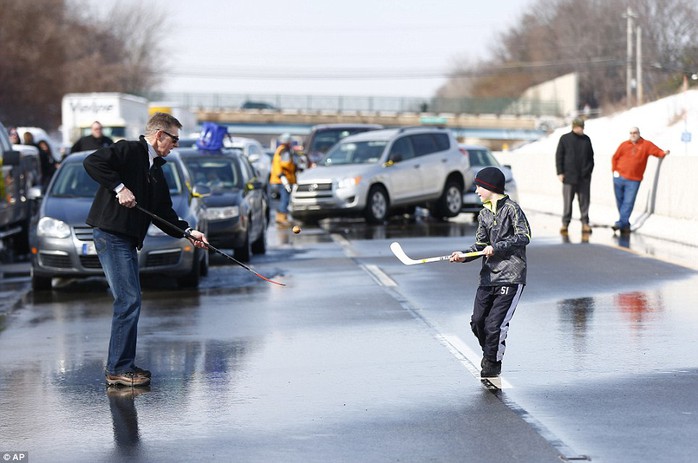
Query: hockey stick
209, 246
400, 254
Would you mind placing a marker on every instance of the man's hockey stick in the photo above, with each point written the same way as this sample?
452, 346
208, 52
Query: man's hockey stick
209, 246
400, 254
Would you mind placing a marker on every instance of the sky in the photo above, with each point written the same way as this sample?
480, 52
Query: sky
329, 47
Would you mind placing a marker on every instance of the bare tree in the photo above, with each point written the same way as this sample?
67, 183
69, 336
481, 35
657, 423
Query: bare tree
53, 47
560, 36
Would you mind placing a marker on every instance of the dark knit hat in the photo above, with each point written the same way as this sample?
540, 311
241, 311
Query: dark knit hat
491, 179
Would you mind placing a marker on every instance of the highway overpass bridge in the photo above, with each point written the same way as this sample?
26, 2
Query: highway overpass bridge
495, 131
494, 122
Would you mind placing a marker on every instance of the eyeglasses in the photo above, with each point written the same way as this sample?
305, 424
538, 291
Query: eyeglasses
175, 140
634, 133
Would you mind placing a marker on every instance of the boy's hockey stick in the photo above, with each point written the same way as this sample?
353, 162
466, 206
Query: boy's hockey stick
400, 254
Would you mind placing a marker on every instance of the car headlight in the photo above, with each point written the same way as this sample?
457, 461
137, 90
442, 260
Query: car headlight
221, 213
52, 228
348, 182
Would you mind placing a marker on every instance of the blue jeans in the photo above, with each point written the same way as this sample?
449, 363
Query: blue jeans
284, 199
626, 192
119, 259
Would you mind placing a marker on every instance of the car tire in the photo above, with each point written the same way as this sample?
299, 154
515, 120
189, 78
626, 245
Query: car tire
191, 280
41, 283
204, 262
259, 246
244, 252
377, 205
451, 201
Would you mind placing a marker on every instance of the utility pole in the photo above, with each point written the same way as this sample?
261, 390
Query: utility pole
638, 66
630, 16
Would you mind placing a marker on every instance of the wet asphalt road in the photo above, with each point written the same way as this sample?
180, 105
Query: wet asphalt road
362, 359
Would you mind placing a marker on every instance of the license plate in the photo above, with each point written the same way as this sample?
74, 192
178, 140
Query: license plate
88, 249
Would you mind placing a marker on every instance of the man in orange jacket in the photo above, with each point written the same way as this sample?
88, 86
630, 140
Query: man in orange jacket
628, 165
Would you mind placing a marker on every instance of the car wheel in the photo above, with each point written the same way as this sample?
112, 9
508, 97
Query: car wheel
244, 252
451, 201
191, 280
204, 262
377, 205
41, 283
259, 246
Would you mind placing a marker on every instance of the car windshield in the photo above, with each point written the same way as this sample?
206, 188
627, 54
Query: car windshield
326, 139
217, 174
362, 152
481, 158
72, 181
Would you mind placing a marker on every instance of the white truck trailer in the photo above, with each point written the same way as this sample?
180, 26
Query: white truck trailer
121, 115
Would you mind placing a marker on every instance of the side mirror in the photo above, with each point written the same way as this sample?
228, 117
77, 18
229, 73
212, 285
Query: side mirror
395, 157
11, 158
200, 191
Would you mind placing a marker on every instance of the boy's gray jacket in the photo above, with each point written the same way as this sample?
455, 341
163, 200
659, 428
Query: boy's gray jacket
508, 231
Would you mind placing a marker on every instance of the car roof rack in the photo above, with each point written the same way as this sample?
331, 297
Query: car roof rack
415, 127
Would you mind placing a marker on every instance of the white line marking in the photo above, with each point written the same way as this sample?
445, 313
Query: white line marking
379, 275
468, 358
344, 243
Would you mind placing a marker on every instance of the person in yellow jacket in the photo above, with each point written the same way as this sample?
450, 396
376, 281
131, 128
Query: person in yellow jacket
283, 175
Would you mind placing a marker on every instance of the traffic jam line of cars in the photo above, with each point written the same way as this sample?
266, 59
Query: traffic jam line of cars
356, 170
217, 192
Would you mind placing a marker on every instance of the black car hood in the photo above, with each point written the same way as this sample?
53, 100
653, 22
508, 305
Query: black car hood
223, 198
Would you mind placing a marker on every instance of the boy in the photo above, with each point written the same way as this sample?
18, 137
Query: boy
502, 234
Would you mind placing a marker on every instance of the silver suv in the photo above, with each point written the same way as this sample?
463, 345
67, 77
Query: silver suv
384, 172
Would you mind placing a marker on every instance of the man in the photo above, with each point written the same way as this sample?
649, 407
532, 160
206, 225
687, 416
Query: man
575, 161
129, 173
283, 175
628, 165
93, 141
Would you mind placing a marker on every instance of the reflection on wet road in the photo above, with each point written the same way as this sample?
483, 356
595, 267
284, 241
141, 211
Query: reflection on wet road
341, 366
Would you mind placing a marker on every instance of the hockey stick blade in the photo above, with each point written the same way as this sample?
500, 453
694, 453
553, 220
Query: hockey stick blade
402, 257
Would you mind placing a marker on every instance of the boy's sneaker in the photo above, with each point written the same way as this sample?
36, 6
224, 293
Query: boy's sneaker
586, 228
129, 379
490, 369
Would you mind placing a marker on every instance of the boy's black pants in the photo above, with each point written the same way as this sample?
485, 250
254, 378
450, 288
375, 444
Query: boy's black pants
493, 309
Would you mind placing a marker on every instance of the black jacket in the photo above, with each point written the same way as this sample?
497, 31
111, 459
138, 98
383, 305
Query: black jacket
88, 142
508, 232
127, 162
574, 158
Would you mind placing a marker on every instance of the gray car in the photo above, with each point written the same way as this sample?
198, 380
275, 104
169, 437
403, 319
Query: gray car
62, 244
481, 157
379, 173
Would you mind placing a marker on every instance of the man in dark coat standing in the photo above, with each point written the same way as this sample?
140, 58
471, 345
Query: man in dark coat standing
575, 162
129, 173
95, 140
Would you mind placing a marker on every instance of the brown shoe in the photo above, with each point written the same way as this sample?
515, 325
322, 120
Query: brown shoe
563, 230
586, 228
142, 372
130, 379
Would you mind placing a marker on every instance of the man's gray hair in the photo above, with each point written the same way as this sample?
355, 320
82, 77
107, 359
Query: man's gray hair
161, 121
